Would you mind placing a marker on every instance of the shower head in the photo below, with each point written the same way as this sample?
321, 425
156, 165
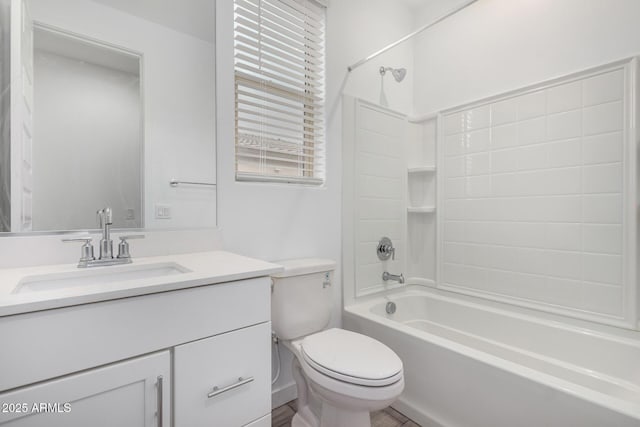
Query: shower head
398, 73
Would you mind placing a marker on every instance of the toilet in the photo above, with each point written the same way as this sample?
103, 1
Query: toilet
350, 374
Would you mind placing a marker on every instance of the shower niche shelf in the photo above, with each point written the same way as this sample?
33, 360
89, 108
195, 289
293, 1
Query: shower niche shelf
421, 200
422, 210
421, 169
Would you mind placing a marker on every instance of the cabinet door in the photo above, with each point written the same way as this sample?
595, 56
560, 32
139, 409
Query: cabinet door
123, 394
224, 380
262, 422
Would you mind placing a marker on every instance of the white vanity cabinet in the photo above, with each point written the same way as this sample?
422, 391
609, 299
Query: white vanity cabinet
224, 380
105, 358
134, 393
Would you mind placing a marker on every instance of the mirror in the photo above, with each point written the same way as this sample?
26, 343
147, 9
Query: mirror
103, 103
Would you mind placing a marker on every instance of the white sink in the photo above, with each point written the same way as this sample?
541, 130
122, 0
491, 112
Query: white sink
97, 276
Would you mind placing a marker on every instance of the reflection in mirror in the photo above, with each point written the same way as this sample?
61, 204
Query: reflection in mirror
87, 139
103, 103
5, 115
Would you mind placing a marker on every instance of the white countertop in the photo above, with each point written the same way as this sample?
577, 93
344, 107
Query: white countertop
206, 268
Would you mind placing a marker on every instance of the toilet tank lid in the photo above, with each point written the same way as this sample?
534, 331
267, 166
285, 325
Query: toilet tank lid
298, 267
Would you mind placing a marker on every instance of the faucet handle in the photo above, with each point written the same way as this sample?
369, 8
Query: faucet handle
123, 246
86, 251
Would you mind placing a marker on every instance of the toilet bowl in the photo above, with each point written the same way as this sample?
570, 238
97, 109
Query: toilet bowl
351, 374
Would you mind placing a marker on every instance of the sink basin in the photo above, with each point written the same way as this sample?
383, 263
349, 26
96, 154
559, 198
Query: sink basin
97, 276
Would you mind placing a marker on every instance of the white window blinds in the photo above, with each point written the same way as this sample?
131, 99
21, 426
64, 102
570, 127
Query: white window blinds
279, 84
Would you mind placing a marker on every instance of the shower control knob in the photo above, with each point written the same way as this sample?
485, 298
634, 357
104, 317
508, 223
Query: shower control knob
385, 249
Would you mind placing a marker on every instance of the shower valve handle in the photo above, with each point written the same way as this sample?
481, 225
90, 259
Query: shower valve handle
385, 249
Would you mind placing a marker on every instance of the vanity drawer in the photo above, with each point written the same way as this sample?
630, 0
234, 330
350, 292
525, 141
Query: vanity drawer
238, 363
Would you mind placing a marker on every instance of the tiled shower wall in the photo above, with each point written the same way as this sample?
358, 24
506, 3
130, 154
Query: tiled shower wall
533, 194
380, 171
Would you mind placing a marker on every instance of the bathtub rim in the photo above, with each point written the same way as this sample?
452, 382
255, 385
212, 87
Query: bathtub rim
362, 308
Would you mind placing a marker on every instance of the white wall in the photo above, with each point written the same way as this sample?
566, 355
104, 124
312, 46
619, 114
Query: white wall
87, 143
179, 104
494, 46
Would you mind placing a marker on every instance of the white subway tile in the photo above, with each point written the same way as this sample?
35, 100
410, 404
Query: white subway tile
602, 238
563, 181
381, 166
504, 136
565, 153
478, 141
601, 298
603, 118
567, 265
454, 231
454, 253
477, 232
603, 148
371, 231
604, 88
465, 276
478, 186
479, 209
602, 209
529, 209
478, 118
500, 257
562, 209
565, 125
531, 235
375, 186
454, 188
532, 131
602, 268
532, 261
504, 112
564, 292
532, 183
532, 105
603, 178
504, 161
567, 237
454, 123
505, 185
454, 145
533, 157
478, 164
477, 255
380, 144
379, 209
454, 166
455, 209
564, 97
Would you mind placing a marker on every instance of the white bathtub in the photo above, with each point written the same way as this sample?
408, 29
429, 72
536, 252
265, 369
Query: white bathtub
470, 364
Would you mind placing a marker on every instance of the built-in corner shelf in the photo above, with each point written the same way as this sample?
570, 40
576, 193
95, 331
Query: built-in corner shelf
421, 209
422, 169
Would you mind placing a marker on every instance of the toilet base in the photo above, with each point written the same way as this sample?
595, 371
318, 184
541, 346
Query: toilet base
336, 417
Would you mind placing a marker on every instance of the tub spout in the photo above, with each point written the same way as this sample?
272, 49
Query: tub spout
397, 277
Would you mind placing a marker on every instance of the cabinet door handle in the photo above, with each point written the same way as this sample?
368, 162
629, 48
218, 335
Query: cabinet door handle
217, 391
159, 396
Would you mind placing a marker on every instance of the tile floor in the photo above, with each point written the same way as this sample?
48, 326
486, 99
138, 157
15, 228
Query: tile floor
388, 417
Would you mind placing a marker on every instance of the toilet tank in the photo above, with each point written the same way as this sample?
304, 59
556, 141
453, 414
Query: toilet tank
301, 297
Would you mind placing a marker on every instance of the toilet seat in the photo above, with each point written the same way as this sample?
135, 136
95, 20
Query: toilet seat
351, 358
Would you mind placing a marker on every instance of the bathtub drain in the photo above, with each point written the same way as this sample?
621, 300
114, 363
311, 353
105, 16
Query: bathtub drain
391, 307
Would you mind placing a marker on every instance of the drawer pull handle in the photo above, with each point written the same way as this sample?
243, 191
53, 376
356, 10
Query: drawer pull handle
217, 391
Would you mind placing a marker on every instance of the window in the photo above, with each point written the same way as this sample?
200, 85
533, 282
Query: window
279, 89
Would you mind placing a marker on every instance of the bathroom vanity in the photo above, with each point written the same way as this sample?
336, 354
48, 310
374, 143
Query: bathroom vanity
183, 347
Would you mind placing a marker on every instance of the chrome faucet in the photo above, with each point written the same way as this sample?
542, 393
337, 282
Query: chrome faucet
105, 221
388, 276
